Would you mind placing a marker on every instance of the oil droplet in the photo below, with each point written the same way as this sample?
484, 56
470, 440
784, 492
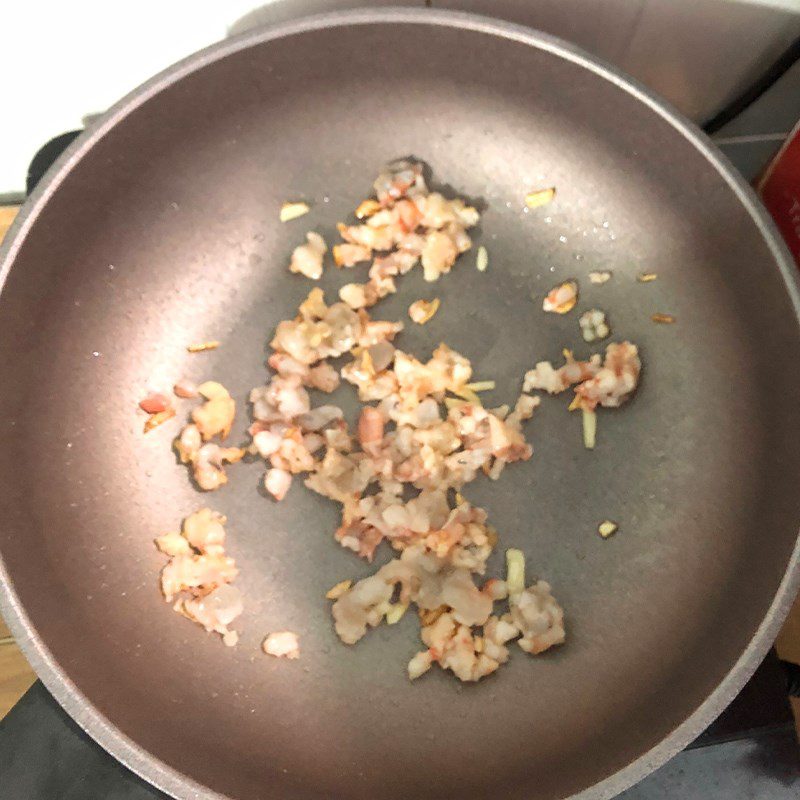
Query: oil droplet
562, 239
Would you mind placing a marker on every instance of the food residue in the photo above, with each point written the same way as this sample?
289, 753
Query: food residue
421, 311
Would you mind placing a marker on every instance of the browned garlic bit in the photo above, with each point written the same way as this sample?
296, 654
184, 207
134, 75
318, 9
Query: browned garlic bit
539, 198
421, 311
307, 258
159, 418
198, 575
562, 298
202, 347
663, 319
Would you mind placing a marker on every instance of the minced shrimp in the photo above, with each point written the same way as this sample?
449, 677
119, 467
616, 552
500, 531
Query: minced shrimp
197, 579
422, 435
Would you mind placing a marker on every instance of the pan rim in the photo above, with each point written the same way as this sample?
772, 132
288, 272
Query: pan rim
74, 702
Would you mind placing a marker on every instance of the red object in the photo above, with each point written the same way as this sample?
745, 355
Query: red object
779, 189
154, 403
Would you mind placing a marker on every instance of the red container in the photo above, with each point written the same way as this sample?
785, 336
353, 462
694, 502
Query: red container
779, 189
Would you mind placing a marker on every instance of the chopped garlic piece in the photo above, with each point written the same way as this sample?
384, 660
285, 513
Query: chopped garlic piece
601, 276
368, 208
646, 277
290, 211
539, 198
421, 311
607, 528
515, 571
212, 390
335, 592
594, 325
395, 613
589, 428
482, 259
480, 386
201, 347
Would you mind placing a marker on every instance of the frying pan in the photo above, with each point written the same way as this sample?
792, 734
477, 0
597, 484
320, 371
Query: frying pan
159, 228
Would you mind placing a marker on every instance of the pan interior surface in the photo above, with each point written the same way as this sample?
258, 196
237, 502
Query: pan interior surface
166, 232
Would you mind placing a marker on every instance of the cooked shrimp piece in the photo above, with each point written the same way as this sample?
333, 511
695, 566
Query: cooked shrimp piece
277, 482
438, 255
370, 426
562, 298
348, 255
307, 258
614, 382
282, 644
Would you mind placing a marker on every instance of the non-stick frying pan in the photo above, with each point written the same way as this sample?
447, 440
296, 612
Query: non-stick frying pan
159, 228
